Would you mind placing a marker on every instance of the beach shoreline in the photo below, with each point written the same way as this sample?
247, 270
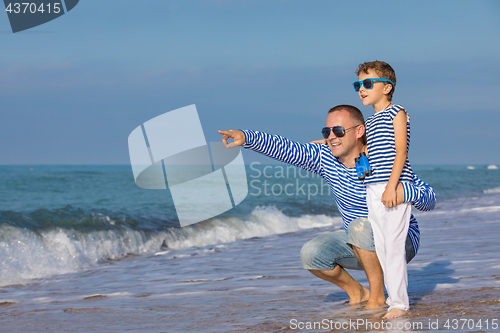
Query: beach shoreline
258, 285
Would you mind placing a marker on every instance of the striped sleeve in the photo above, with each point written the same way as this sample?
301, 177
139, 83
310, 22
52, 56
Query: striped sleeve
420, 194
305, 156
414, 233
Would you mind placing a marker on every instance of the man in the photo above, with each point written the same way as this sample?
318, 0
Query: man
328, 255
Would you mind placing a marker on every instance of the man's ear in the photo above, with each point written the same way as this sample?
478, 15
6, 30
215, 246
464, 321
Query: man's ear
360, 131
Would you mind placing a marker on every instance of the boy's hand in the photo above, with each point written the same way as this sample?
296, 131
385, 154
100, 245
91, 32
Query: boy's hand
237, 136
323, 141
389, 198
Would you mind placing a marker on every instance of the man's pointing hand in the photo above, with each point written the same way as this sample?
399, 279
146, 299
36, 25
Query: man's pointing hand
237, 136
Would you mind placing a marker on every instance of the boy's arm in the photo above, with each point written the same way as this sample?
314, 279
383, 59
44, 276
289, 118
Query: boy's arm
389, 197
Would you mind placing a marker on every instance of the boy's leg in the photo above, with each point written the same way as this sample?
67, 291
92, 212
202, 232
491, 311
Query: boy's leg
396, 223
390, 232
376, 212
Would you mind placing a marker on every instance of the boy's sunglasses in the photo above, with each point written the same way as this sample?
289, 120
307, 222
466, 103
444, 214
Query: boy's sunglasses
338, 131
368, 83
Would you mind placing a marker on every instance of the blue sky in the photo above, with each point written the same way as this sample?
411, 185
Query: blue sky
73, 89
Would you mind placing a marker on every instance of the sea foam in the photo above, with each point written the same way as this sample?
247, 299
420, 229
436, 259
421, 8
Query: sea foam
492, 190
27, 254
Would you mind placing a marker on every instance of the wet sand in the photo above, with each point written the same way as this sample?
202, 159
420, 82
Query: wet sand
246, 311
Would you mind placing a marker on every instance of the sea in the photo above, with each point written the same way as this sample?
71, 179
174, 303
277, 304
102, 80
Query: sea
83, 248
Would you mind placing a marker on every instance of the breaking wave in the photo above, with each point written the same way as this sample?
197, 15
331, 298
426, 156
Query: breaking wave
49, 242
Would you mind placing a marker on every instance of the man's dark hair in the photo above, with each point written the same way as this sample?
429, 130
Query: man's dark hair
355, 113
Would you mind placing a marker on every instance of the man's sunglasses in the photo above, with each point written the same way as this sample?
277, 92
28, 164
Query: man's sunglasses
368, 83
338, 131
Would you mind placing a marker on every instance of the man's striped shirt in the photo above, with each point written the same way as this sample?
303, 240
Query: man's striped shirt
349, 192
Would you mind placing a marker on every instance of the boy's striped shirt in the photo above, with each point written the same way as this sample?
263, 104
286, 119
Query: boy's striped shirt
382, 147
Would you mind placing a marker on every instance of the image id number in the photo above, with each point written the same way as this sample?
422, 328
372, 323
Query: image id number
26, 7
471, 324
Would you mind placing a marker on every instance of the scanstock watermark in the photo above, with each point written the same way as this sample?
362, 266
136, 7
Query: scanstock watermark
290, 181
25, 15
204, 179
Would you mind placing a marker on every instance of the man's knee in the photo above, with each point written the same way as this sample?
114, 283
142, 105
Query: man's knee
308, 254
322, 252
328, 250
361, 234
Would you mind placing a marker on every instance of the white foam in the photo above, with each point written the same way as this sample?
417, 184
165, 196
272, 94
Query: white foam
118, 294
161, 253
449, 286
485, 209
263, 221
25, 254
492, 190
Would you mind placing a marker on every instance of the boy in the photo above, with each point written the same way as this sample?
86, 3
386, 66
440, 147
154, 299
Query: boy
388, 139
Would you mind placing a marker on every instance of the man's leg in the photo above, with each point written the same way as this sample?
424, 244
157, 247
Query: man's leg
338, 276
326, 256
373, 271
360, 237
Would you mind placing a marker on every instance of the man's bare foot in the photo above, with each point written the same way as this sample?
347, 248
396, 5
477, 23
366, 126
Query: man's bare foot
375, 303
394, 313
363, 296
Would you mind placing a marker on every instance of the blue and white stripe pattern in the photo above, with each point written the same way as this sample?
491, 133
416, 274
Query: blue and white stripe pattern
382, 147
348, 190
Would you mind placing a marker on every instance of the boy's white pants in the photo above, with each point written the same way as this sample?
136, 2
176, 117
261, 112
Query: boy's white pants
390, 229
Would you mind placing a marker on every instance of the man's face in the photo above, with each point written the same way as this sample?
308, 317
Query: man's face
342, 147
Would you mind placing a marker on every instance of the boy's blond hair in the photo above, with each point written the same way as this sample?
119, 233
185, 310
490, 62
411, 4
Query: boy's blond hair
383, 69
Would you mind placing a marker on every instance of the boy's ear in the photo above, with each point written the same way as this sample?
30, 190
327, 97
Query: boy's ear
387, 88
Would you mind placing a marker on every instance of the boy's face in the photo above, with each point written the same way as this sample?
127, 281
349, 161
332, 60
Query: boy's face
377, 94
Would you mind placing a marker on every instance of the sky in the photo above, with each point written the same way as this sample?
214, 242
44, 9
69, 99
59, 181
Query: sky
73, 89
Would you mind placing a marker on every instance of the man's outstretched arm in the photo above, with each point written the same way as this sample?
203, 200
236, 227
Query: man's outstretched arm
305, 156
